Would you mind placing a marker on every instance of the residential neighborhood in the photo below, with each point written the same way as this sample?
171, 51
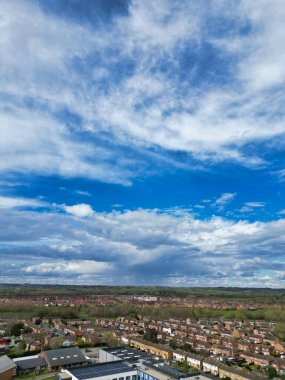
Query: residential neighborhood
220, 347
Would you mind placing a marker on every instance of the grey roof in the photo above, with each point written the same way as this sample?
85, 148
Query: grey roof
126, 353
31, 363
167, 369
64, 356
212, 361
6, 364
101, 369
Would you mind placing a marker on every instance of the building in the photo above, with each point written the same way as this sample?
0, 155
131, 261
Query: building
236, 373
147, 367
24, 366
180, 355
116, 370
7, 368
121, 353
195, 361
261, 360
155, 370
152, 348
211, 366
63, 357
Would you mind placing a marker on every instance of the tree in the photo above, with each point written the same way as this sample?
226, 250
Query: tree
22, 345
80, 341
150, 335
133, 315
16, 329
271, 372
279, 330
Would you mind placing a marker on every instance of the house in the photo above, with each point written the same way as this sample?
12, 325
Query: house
24, 366
180, 355
195, 361
63, 357
211, 366
7, 368
261, 360
279, 364
244, 345
202, 345
222, 350
236, 373
279, 347
264, 349
236, 334
70, 330
153, 348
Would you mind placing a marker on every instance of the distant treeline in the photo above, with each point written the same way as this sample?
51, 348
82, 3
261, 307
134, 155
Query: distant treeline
269, 314
9, 310
250, 295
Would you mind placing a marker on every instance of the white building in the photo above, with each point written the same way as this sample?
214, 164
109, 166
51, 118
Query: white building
194, 361
116, 370
212, 366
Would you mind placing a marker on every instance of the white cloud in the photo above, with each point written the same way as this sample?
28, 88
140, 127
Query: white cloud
255, 204
246, 209
211, 121
80, 192
12, 202
73, 267
158, 244
280, 274
225, 198
265, 65
81, 210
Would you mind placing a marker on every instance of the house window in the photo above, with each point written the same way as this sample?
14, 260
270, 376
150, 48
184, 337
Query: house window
134, 377
128, 378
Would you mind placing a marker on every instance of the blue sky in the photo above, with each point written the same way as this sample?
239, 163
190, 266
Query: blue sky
142, 142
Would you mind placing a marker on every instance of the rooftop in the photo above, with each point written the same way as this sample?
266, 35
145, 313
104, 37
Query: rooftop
101, 369
64, 356
6, 364
127, 353
31, 363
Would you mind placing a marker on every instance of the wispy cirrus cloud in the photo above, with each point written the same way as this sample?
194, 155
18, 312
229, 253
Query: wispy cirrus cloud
255, 204
224, 199
71, 89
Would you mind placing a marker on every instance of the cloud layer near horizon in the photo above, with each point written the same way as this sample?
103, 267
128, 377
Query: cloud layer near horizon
169, 247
